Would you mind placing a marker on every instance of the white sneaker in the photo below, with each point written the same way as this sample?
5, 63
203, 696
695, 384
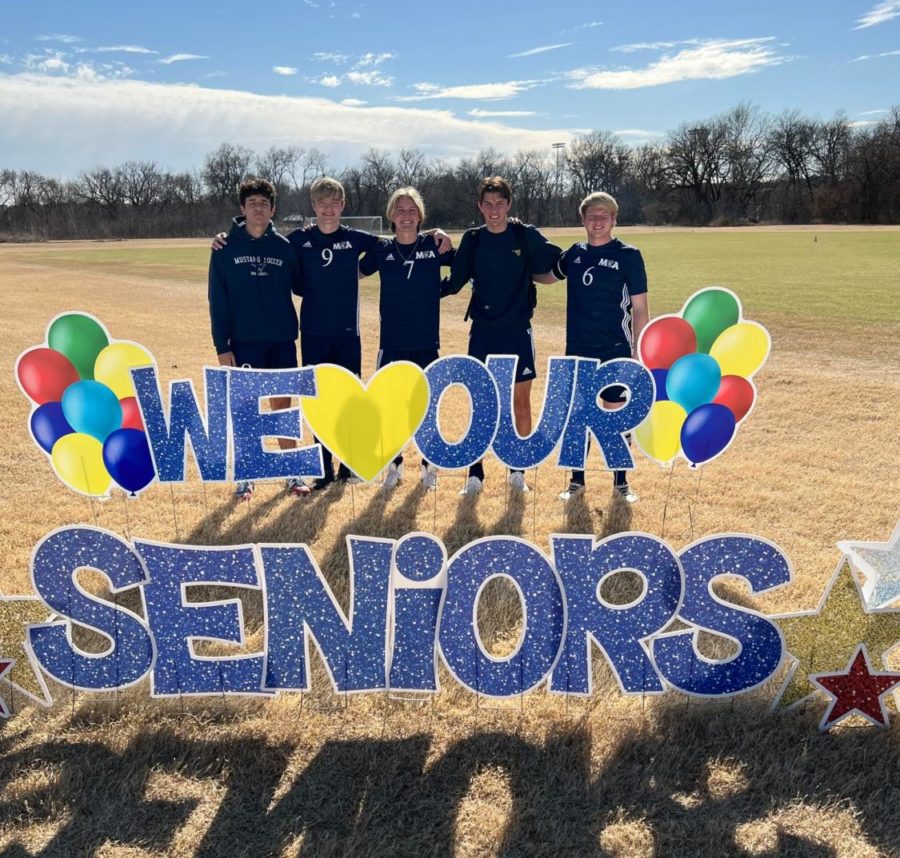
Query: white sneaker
473, 486
516, 480
626, 492
572, 491
392, 477
298, 486
429, 477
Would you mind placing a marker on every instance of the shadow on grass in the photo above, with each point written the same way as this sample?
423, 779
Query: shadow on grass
398, 796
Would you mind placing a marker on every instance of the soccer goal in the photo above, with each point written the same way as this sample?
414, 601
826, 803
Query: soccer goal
370, 223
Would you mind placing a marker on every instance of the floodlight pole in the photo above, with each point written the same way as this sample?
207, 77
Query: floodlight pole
559, 148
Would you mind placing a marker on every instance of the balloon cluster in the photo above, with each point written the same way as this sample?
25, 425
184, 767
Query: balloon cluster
702, 361
86, 416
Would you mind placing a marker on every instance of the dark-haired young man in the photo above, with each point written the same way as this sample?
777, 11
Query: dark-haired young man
502, 260
250, 305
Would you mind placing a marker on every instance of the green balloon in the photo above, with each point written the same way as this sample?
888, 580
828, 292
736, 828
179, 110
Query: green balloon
80, 338
709, 312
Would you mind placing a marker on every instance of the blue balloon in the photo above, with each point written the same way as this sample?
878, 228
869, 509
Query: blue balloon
126, 455
707, 431
693, 380
92, 408
659, 376
49, 424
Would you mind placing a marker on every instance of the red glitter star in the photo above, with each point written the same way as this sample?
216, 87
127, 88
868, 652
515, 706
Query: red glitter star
857, 689
4, 666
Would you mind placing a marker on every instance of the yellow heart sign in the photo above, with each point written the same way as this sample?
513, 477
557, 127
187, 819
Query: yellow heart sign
366, 427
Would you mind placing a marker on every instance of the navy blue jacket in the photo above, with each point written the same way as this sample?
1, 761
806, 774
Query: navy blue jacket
250, 286
410, 294
600, 281
330, 266
500, 266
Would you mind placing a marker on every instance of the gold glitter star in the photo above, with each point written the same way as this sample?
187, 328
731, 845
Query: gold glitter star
17, 612
825, 639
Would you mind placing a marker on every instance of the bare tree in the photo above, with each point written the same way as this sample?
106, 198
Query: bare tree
597, 162
225, 169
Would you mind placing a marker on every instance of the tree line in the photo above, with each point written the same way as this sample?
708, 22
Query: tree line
742, 166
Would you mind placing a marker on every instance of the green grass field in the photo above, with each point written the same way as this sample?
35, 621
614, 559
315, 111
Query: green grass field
817, 461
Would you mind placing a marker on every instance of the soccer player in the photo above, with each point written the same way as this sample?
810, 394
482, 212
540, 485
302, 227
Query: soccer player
250, 287
502, 259
329, 254
409, 266
606, 305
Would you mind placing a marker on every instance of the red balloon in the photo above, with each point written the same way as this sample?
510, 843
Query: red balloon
737, 394
131, 413
45, 373
665, 340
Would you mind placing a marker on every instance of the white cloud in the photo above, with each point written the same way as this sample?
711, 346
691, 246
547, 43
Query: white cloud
862, 123
652, 46
330, 57
370, 59
330, 80
541, 50
635, 136
369, 78
875, 56
713, 59
878, 14
287, 71
116, 49
476, 91
60, 125
510, 113
5, 59
872, 112
180, 58
65, 38
51, 62
353, 102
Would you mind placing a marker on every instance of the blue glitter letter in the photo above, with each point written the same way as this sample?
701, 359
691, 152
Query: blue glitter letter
299, 601
541, 594
167, 436
482, 390
419, 561
759, 640
513, 450
617, 629
56, 560
176, 622
607, 426
249, 426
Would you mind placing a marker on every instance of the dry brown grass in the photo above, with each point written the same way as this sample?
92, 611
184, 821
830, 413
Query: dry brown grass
319, 775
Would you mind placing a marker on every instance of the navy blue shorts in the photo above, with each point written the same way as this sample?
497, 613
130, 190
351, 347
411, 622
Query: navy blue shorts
417, 356
614, 393
342, 351
518, 342
280, 355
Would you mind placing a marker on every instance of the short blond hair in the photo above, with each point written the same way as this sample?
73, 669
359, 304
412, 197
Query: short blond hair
414, 195
600, 199
326, 188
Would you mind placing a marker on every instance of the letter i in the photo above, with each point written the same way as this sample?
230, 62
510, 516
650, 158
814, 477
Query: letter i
419, 578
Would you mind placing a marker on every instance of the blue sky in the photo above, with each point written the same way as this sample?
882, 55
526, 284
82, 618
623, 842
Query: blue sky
98, 83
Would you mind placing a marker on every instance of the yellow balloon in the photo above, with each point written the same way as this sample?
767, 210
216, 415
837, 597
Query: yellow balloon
741, 349
366, 427
78, 461
114, 361
659, 436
